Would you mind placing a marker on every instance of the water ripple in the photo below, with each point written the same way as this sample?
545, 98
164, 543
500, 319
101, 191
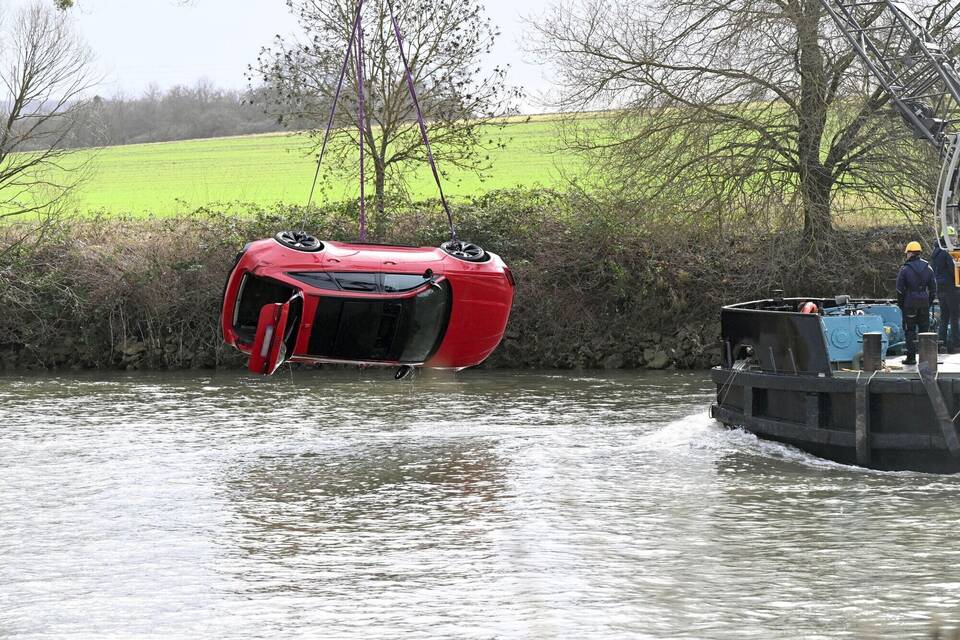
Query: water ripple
483, 505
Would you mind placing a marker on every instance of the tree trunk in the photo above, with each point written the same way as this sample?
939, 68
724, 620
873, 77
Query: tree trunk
815, 181
379, 199
816, 185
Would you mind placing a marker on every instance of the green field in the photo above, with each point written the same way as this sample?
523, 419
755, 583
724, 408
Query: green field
167, 178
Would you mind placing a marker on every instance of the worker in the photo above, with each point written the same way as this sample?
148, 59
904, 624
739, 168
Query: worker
916, 291
947, 291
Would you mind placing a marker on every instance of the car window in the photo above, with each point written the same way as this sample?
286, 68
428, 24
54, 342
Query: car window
367, 329
365, 282
394, 282
318, 279
406, 330
427, 318
368, 282
356, 329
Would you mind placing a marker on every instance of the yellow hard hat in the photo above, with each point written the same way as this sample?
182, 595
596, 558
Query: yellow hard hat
913, 246
951, 231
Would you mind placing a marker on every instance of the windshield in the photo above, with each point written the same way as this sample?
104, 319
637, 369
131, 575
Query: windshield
398, 330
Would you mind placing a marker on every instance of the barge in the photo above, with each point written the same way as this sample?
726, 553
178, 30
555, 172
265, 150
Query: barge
806, 380
826, 381
821, 374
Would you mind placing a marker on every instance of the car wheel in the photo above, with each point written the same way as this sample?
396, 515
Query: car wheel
298, 241
466, 251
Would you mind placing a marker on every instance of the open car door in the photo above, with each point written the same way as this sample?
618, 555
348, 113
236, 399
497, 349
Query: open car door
276, 335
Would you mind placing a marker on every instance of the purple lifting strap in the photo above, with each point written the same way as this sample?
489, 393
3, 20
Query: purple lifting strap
361, 123
356, 35
333, 106
420, 120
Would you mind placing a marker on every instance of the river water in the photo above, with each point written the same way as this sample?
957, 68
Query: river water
482, 505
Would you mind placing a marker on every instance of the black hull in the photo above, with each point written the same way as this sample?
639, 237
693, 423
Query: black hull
886, 422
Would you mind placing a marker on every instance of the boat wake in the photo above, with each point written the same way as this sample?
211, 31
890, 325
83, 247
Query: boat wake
698, 433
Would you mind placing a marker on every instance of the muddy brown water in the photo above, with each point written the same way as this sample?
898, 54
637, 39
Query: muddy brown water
481, 505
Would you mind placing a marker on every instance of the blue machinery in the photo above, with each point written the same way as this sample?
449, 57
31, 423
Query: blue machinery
845, 324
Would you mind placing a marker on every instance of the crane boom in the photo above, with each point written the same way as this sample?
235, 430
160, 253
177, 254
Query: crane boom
920, 79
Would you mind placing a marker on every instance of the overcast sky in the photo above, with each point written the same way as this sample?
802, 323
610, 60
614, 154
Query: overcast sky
138, 42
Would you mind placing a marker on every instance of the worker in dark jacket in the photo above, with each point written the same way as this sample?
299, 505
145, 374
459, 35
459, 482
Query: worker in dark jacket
947, 291
916, 291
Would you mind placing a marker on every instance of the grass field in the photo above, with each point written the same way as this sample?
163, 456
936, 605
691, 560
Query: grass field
174, 177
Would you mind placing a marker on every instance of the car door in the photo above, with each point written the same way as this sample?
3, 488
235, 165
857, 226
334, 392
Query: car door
277, 327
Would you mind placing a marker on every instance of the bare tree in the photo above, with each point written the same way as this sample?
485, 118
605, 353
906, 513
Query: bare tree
736, 106
444, 40
43, 80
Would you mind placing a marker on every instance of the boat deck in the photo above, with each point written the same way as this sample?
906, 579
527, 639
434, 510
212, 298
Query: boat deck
946, 365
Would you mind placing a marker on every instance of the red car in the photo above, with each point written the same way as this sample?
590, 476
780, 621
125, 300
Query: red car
292, 297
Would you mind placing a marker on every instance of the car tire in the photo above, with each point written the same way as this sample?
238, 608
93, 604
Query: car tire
298, 241
466, 251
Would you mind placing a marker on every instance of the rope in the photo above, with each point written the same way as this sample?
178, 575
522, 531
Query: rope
420, 120
869, 380
333, 109
361, 123
725, 388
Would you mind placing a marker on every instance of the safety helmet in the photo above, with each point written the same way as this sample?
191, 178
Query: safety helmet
913, 246
951, 231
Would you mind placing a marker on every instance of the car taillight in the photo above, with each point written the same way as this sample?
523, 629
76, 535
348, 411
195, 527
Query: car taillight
509, 273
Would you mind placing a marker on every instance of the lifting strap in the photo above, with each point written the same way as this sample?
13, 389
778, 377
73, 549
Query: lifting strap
420, 120
333, 108
362, 125
356, 36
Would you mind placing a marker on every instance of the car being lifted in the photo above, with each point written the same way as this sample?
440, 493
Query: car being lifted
294, 298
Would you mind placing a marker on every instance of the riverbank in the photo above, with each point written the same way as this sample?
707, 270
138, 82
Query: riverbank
596, 289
